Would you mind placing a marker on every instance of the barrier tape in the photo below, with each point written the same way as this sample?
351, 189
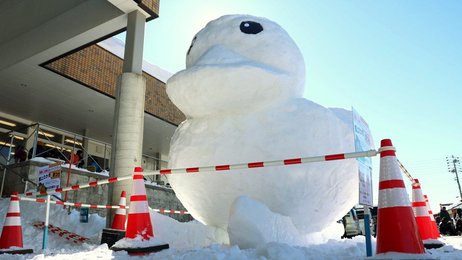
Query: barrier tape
408, 175
78, 186
77, 205
171, 211
94, 206
62, 232
251, 165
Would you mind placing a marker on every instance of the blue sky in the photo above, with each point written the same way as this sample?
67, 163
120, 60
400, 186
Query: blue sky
398, 63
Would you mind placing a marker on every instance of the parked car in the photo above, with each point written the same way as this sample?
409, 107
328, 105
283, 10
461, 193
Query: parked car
354, 222
351, 224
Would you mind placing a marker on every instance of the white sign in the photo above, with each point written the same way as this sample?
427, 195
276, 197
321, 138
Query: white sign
363, 142
49, 178
365, 184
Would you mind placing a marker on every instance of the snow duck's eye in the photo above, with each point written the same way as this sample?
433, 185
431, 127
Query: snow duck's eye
249, 27
190, 46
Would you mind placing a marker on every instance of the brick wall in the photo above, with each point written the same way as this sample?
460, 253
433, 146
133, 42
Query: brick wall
99, 69
151, 5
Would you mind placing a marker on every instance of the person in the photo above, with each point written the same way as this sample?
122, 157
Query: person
81, 161
76, 158
20, 154
459, 227
447, 227
454, 214
39, 152
444, 214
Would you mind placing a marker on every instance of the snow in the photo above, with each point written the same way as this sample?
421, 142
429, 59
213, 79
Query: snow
242, 95
252, 224
190, 240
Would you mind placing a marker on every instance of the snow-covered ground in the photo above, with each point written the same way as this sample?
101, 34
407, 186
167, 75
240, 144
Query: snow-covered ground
187, 241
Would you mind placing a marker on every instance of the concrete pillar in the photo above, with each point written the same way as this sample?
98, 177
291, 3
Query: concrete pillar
29, 143
133, 54
128, 129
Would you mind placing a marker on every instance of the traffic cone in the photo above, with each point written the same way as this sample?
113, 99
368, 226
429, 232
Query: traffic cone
139, 224
12, 230
421, 212
119, 217
139, 219
396, 226
435, 231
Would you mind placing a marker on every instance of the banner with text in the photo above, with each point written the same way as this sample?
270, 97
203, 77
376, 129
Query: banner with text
363, 142
49, 177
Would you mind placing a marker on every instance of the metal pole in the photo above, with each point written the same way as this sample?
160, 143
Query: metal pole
454, 160
367, 230
71, 161
7, 163
457, 175
34, 149
45, 228
104, 160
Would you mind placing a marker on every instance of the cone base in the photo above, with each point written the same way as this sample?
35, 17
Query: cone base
432, 243
139, 224
141, 250
11, 237
17, 251
395, 234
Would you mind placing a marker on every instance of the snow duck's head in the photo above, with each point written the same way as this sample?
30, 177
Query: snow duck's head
236, 64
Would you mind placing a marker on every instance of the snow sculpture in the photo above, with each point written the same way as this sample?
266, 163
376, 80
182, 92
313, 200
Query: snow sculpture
242, 92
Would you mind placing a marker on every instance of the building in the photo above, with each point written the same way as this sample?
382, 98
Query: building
60, 70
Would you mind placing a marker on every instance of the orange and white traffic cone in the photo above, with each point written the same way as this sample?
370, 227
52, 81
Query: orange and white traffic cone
120, 215
421, 212
435, 231
396, 226
139, 219
139, 225
12, 230
434, 242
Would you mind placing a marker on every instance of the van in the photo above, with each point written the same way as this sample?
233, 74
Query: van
351, 224
354, 222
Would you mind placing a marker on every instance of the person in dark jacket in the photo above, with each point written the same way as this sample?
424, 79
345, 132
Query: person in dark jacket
444, 213
20, 154
447, 227
40, 151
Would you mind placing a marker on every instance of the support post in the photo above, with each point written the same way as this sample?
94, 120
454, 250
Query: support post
128, 129
34, 145
367, 230
47, 220
85, 143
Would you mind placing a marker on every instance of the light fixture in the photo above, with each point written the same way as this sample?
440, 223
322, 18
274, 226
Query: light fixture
3, 122
46, 134
73, 142
18, 137
7, 144
50, 145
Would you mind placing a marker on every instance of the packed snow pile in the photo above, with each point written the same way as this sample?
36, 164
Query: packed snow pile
242, 94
